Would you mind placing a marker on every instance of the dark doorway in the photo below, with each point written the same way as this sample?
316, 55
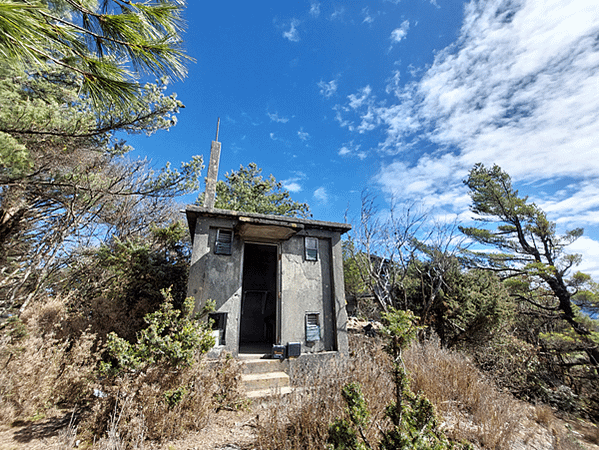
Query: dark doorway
259, 293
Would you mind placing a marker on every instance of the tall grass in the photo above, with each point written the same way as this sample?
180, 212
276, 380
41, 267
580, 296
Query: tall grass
472, 408
300, 420
40, 366
49, 360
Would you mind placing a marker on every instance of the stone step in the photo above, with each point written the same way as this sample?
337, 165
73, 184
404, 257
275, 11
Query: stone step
252, 366
258, 356
270, 380
263, 393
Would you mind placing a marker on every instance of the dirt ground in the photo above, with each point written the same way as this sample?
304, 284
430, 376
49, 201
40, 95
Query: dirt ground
235, 430
228, 430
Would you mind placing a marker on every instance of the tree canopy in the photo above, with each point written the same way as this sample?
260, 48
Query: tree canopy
64, 180
530, 250
246, 190
105, 44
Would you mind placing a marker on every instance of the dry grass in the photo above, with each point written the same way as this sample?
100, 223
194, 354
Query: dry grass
48, 360
543, 415
300, 420
163, 404
39, 369
472, 407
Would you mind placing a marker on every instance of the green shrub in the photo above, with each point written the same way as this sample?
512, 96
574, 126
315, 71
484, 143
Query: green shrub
172, 338
413, 418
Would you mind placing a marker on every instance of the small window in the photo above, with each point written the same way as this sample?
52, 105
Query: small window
311, 249
219, 326
224, 242
312, 327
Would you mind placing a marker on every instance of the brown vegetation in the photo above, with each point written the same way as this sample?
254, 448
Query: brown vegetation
48, 365
471, 407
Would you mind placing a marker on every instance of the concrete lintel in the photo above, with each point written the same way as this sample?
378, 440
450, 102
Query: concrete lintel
265, 231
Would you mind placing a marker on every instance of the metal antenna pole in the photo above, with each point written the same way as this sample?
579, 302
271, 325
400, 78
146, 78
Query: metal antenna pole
217, 127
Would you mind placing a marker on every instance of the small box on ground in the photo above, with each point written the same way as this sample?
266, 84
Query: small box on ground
278, 352
294, 349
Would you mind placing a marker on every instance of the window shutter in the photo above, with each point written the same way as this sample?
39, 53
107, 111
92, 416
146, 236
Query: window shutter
312, 327
224, 242
311, 244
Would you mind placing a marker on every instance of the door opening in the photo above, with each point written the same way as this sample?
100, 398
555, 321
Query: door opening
258, 325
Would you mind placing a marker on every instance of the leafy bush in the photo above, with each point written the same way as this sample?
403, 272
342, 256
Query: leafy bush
171, 338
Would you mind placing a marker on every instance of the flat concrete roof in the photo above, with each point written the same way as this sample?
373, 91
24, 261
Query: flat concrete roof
194, 212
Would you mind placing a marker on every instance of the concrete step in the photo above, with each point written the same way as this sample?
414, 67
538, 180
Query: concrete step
252, 366
270, 380
251, 356
263, 393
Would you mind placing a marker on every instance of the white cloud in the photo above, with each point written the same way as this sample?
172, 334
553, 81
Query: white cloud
352, 149
275, 118
399, 33
327, 89
321, 195
292, 34
519, 88
339, 109
337, 13
367, 17
393, 82
303, 135
292, 185
359, 99
589, 249
273, 137
315, 9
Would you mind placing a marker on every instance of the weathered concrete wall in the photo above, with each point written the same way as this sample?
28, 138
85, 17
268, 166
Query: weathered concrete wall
339, 295
217, 277
306, 288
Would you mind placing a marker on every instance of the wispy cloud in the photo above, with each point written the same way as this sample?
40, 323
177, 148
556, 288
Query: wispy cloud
321, 195
359, 99
351, 149
393, 82
367, 17
292, 34
518, 88
399, 33
363, 102
275, 118
590, 249
303, 135
327, 89
338, 13
315, 9
250, 119
292, 185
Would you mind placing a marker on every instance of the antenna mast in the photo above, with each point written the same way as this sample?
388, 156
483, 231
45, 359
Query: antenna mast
210, 194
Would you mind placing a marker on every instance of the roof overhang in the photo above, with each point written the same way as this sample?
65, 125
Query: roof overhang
261, 227
251, 230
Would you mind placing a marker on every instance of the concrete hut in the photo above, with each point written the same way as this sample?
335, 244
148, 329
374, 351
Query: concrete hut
277, 281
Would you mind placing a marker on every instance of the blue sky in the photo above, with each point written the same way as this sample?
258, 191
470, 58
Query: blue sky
400, 97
